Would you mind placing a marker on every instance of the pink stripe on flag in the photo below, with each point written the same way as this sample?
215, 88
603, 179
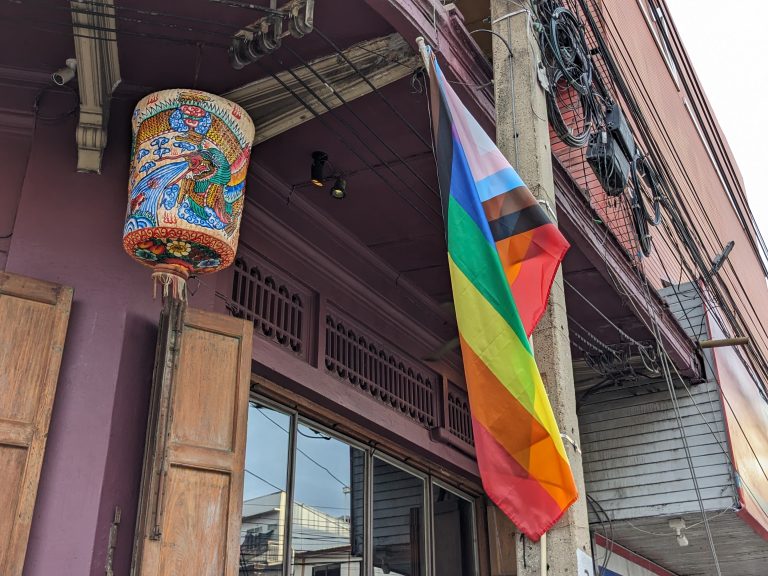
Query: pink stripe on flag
483, 157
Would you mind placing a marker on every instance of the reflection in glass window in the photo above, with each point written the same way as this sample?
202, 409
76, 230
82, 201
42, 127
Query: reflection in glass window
327, 520
322, 508
264, 492
328, 570
453, 527
398, 521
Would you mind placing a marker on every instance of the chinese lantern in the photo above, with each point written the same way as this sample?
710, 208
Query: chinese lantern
189, 161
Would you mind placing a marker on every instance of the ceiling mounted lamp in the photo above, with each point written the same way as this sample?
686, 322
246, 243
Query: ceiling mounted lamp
339, 188
317, 172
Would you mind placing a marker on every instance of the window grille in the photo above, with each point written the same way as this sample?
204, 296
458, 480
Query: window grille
278, 308
354, 355
459, 417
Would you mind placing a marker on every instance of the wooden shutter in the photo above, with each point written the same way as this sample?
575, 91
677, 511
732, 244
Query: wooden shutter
33, 326
193, 476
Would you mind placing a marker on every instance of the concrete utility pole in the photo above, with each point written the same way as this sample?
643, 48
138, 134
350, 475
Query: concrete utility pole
522, 134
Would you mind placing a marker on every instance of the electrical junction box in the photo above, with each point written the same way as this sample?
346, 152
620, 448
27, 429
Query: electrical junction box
608, 162
619, 129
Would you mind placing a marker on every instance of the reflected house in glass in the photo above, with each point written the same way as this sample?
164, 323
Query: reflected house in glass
336, 484
318, 538
261, 543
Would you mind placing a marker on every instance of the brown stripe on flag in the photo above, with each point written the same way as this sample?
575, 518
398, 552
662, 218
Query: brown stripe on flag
507, 203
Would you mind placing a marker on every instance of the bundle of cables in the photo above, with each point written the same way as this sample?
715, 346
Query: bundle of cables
644, 174
571, 104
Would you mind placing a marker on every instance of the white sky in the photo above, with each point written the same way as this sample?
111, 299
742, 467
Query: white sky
726, 43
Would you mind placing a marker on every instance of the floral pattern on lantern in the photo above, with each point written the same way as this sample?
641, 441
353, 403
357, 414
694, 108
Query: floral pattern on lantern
189, 161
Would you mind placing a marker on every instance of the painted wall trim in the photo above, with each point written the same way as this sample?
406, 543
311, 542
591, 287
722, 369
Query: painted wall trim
627, 554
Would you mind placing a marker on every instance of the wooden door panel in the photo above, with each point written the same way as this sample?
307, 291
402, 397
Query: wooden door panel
193, 475
33, 325
24, 354
208, 367
12, 460
195, 525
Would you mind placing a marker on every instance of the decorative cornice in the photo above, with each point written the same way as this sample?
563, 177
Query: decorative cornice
274, 109
23, 78
98, 74
16, 123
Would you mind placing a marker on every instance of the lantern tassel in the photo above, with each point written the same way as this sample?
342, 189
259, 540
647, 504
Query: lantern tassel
173, 282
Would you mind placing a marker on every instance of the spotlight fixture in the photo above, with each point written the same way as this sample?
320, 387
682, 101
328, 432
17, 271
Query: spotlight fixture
339, 188
64, 75
318, 167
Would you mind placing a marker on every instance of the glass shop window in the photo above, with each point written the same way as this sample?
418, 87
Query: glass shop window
327, 520
329, 570
316, 504
398, 520
265, 499
453, 525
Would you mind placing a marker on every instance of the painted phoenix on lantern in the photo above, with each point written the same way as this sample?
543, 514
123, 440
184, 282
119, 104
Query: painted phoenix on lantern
189, 163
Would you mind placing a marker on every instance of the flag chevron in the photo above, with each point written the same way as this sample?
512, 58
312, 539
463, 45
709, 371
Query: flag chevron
503, 253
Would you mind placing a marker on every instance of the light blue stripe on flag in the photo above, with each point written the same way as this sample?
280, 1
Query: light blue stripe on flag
498, 183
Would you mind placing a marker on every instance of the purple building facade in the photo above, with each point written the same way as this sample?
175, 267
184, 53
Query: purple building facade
350, 298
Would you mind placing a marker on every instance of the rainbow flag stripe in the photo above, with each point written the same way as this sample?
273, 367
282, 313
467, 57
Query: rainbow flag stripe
503, 253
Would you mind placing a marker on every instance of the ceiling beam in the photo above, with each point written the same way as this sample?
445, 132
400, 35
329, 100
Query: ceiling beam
274, 109
98, 74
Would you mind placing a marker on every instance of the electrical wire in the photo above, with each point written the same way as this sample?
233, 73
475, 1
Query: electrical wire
353, 149
712, 373
595, 505
373, 87
702, 263
264, 480
300, 451
682, 166
367, 125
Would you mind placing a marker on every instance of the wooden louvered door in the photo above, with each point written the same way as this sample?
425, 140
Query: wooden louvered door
33, 325
193, 476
